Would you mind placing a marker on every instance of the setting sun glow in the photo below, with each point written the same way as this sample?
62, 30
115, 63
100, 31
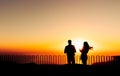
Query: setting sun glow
78, 44
45, 26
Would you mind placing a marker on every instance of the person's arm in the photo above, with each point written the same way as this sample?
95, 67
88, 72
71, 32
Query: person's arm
81, 50
74, 48
90, 47
65, 50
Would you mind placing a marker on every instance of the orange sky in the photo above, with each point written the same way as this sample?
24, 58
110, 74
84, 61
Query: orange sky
48, 24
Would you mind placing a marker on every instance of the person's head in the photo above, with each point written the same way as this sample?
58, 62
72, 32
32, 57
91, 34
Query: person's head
86, 43
69, 42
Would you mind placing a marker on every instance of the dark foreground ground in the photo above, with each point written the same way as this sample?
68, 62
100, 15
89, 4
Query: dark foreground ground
13, 69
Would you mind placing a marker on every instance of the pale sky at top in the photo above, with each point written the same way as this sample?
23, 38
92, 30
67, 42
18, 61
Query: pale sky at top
39, 22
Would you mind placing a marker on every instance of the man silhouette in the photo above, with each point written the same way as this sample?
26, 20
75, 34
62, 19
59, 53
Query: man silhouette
70, 51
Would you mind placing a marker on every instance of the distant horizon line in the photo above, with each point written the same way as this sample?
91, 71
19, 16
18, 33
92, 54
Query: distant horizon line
55, 53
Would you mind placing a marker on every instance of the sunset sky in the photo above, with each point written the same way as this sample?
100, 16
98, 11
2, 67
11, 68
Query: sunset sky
46, 25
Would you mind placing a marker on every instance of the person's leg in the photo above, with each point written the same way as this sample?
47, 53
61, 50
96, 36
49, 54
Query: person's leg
69, 62
73, 60
84, 60
68, 59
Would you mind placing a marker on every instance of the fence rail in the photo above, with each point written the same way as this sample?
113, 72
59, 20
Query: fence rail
56, 59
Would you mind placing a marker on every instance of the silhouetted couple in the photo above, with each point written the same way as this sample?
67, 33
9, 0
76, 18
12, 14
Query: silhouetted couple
70, 51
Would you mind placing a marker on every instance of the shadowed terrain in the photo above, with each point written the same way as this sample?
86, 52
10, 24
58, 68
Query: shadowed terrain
110, 68
8, 68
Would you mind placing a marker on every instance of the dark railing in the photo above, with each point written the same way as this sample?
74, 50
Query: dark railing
55, 59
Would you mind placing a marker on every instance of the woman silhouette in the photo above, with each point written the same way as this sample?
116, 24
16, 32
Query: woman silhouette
84, 52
